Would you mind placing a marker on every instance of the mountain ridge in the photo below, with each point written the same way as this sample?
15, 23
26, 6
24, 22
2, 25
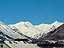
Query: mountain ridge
35, 31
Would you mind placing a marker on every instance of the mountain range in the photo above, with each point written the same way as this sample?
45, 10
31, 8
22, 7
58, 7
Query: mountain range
26, 30
35, 31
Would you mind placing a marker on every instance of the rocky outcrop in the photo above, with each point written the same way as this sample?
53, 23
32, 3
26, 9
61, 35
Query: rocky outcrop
57, 34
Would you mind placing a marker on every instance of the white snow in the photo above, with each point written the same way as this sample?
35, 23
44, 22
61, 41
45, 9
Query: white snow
20, 45
8, 31
49, 27
35, 31
28, 29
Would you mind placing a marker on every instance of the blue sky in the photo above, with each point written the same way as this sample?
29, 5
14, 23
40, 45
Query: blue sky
35, 11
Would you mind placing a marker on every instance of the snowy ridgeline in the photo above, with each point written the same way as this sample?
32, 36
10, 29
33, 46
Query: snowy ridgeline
36, 31
24, 30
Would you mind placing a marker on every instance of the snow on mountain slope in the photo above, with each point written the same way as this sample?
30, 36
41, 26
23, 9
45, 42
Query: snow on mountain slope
28, 29
8, 32
49, 27
37, 31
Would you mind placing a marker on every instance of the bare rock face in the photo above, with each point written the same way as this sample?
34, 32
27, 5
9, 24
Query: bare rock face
53, 38
57, 34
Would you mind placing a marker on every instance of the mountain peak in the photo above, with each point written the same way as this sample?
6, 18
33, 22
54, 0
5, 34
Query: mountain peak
23, 24
56, 23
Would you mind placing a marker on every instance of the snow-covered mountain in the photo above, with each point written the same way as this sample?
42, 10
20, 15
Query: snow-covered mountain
8, 33
36, 31
25, 30
28, 29
49, 27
